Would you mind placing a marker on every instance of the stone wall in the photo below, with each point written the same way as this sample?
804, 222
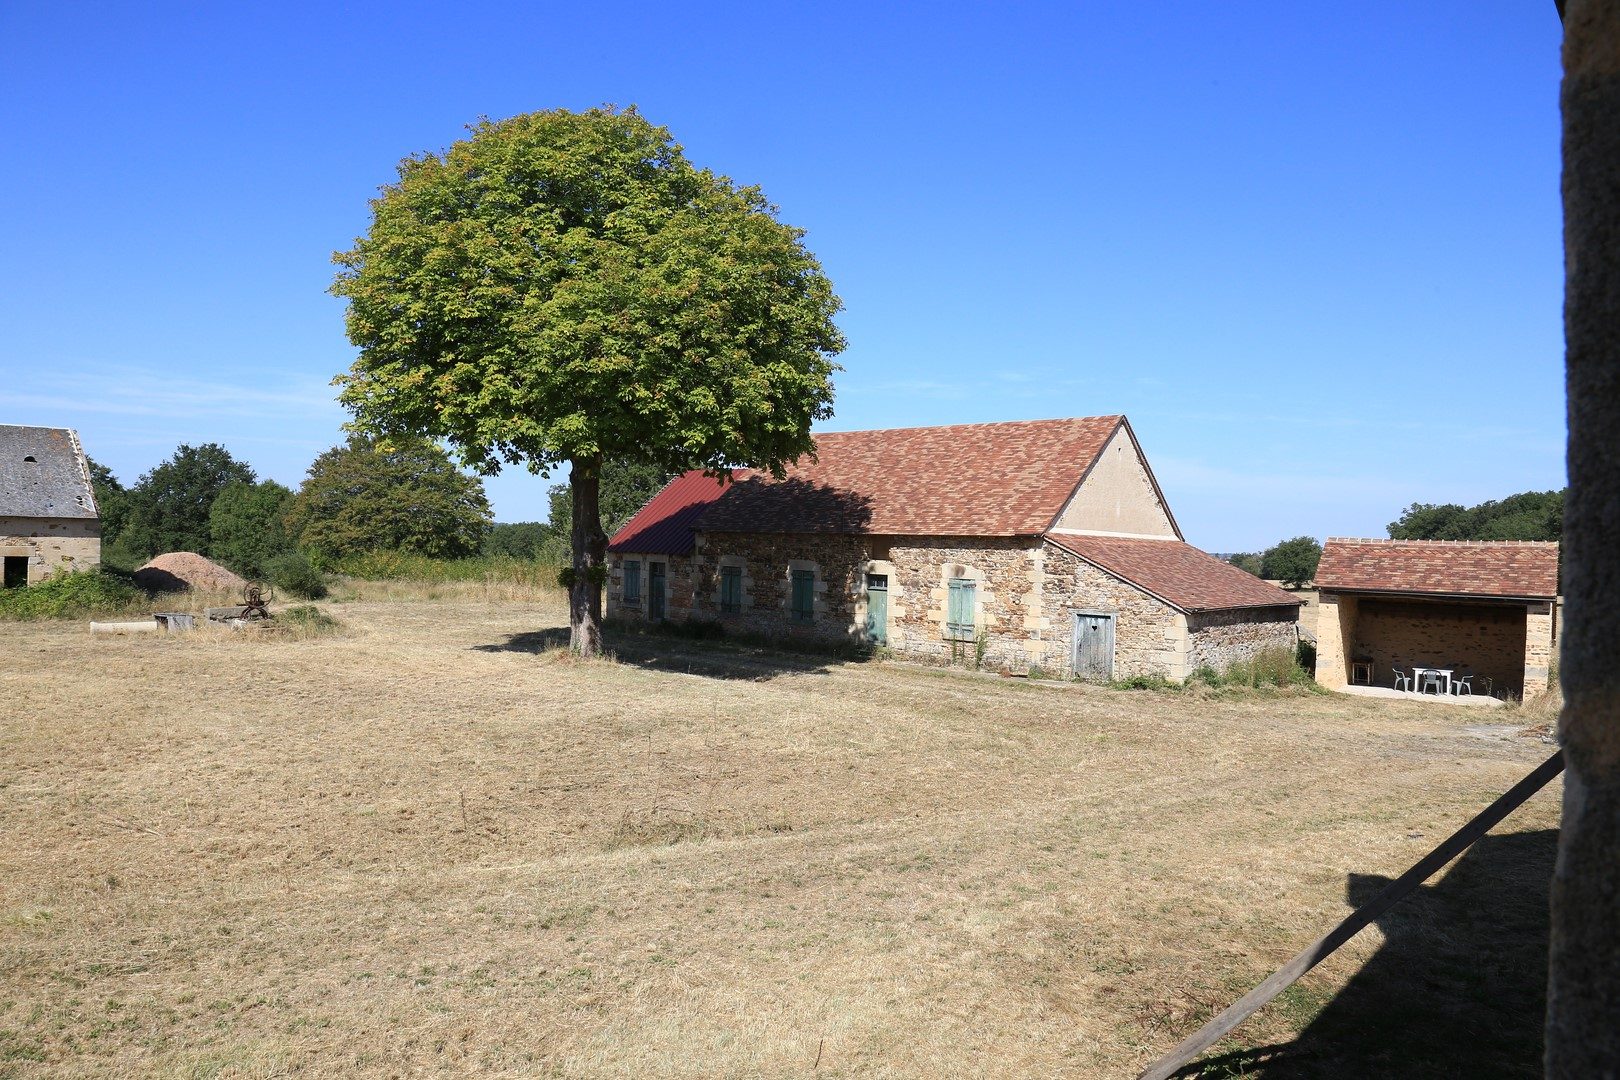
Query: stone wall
1540, 648
767, 561
1150, 637
1219, 639
1007, 615
1335, 624
51, 544
679, 586
1027, 595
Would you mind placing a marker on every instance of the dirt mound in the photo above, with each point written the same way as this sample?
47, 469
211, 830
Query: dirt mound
178, 570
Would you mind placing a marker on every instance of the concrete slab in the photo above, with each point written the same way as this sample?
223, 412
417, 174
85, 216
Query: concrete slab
1478, 700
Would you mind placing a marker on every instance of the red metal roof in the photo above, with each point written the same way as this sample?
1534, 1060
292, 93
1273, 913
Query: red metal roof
664, 525
1007, 479
1176, 572
1507, 568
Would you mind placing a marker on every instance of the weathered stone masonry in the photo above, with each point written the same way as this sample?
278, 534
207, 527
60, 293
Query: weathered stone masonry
51, 545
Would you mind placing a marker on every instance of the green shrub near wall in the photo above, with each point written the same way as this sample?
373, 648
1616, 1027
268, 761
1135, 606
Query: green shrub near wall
62, 596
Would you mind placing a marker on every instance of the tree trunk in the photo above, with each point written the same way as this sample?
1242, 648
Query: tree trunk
590, 558
1583, 988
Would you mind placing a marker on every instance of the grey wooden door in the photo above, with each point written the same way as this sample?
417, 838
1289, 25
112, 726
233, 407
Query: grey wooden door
1094, 646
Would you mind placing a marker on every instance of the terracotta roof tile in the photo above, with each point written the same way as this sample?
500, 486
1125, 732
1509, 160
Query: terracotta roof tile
1177, 572
664, 525
1441, 567
1008, 479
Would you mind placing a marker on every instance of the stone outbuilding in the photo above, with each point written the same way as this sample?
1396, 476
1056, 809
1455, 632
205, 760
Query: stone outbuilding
48, 518
1484, 607
1040, 544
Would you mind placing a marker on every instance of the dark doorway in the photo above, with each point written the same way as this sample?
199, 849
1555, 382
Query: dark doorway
16, 571
655, 591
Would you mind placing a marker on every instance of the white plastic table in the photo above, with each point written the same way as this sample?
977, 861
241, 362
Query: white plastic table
1419, 672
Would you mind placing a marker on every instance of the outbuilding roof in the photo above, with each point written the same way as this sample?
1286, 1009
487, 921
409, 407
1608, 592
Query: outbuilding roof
1517, 569
664, 525
43, 473
1005, 479
1176, 572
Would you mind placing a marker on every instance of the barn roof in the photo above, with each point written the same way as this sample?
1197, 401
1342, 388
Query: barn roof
1176, 572
43, 473
1006, 479
1486, 568
664, 525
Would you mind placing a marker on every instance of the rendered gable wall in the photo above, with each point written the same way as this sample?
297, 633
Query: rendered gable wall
1117, 496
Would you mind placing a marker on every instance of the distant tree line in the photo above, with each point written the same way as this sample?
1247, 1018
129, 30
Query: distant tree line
402, 494
1530, 515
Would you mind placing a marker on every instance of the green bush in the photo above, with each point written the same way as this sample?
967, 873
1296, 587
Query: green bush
1144, 682
294, 575
1305, 656
85, 592
308, 617
1278, 667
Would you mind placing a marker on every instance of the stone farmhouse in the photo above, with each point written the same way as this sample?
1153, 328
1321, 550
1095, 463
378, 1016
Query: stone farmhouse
1035, 544
1486, 607
48, 518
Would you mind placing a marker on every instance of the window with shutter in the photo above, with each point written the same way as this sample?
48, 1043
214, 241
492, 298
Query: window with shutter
731, 589
632, 581
804, 596
961, 599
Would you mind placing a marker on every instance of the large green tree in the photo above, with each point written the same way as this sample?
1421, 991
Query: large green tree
1293, 562
399, 493
567, 288
168, 506
247, 528
1530, 515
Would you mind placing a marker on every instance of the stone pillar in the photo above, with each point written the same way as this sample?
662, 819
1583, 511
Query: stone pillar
1538, 649
1583, 988
1335, 633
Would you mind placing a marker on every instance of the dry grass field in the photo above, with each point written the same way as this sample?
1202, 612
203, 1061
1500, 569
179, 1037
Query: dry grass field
427, 845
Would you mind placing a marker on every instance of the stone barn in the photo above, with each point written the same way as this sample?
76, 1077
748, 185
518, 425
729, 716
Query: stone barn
48, 518
1041, 544
1477, 607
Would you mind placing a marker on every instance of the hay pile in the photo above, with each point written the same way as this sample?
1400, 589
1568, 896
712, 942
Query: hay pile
176, 571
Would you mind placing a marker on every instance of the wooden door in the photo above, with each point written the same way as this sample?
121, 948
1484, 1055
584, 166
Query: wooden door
1093, 646
655, 590
877, 608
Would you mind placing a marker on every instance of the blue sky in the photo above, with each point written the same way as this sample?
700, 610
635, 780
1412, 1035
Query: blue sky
1311, 250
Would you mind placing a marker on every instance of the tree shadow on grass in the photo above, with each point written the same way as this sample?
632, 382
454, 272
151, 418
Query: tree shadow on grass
660, 649
1457, 990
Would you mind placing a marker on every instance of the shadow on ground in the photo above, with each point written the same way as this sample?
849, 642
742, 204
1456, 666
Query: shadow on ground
1457, 990
658, 650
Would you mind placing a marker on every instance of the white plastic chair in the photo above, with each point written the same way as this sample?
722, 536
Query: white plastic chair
1460, 685
1432, 683
1403, 681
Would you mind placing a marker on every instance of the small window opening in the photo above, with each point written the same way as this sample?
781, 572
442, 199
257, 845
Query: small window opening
32, 458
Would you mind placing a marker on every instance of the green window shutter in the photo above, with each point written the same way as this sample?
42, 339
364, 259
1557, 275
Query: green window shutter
632, 580
731, 588
960, 598
804, 595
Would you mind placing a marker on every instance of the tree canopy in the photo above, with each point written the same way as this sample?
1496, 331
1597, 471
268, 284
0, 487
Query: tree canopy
246, 526
568, 287
1293, 562
402, 493
1530, 515
167, 509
